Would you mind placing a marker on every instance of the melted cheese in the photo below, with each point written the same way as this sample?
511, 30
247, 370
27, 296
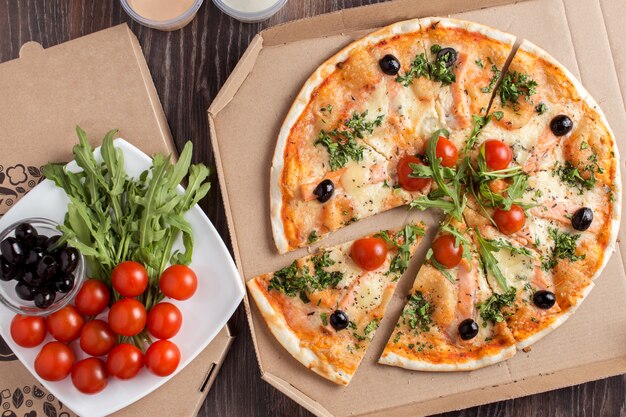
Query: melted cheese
517, 268
344, 264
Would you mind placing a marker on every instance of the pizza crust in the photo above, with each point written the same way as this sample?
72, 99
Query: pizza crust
393, 359
291, 342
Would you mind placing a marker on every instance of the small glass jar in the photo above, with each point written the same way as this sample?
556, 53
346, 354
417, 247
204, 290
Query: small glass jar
249, 16
174, 23
8, 296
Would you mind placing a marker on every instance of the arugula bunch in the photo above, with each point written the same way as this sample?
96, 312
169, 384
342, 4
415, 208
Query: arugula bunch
112, 218
449, 195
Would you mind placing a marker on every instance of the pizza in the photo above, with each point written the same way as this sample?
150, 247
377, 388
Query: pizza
325, 308
497, 139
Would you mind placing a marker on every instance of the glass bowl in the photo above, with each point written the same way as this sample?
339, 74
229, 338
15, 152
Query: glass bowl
9, 297
250, 17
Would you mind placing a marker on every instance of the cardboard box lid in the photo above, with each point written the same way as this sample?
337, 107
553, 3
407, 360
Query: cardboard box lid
100, 81
573, 31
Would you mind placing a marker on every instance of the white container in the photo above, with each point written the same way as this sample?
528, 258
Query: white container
250, 10
175, 22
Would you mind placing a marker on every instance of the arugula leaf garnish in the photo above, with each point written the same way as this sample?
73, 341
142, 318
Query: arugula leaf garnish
449, 195
491, 309
341, 143
407, 236
490, 263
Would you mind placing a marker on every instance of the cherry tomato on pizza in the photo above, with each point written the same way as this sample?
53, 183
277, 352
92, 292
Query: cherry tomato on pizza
498, 155
510, 221
446, 251
369, 253
447, 151
404, 171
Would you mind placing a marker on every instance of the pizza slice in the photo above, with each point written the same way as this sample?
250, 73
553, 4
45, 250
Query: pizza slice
325, 308
449, 322
544, 282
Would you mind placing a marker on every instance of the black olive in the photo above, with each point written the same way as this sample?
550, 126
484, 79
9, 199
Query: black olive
561, 125
47, 267
67, 259
582, 218
44, 297
339, 320
389, 64
26, 234
41, 241
8, 271
52, 244
31, 278
468, 329
32, 256
12, 250
447, 55
25, 291
64, 283
544, 299
324, 190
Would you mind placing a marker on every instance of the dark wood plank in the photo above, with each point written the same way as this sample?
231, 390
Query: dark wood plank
188, 68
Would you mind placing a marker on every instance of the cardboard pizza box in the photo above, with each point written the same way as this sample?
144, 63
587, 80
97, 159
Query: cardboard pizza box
100, 81
590, 345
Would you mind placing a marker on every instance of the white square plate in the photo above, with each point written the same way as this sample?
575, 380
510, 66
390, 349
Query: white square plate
219, 292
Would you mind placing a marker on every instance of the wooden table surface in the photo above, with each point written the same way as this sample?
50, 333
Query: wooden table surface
188, 68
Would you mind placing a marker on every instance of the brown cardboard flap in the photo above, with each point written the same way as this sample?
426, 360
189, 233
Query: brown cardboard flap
244, 134
100, 81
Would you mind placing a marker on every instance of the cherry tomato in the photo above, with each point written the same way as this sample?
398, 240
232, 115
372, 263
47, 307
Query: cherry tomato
124, 361
89, 376
445, 251
369, 253
97, 338
498, 155
447, 151
178, 282
54, 362
404, 170
129, 278
66, 324
164, 320
92, 298
510, 221
162, 357
28, 331
127, 317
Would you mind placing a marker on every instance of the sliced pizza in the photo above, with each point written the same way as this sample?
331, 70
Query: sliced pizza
325, 308
451, 321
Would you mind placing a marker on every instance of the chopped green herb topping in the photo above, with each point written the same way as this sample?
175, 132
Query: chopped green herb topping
564, 248
371, 326
491, 310
498, 115
328, 108
541, 108
292, 280
313, 237
324, 317
515, 84
417, 312
437, 69
341, 143
479, 62
494, 78
572, 175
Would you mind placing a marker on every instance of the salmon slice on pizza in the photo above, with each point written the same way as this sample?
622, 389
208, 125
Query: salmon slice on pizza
325, 308
451, 321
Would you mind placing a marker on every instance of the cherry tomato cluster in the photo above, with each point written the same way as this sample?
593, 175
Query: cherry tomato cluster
98, 338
